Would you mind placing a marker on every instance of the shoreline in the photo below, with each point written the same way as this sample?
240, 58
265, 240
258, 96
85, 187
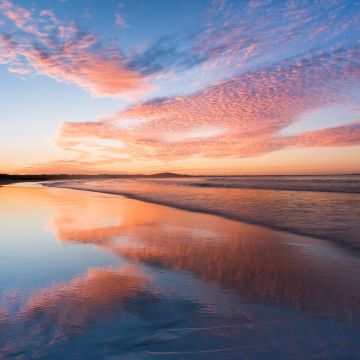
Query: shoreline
7, 182
105, 255
353, 249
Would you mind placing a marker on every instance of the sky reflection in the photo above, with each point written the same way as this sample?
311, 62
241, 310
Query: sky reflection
174, 283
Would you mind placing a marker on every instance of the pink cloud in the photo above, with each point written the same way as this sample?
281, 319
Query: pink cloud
99, 74
267, 89
72, 55
345, 135
241, 117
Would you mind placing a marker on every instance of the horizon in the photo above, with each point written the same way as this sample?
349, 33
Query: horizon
206, 87
175, 174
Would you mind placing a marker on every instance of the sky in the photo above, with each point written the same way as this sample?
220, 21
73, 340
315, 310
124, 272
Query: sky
198, 87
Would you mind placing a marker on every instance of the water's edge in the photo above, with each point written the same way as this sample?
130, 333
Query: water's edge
351, 247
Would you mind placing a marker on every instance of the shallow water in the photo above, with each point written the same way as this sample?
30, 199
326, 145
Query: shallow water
326, 207
86, 275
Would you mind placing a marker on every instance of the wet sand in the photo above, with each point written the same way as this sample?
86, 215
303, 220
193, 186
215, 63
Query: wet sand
329, 215
91, 275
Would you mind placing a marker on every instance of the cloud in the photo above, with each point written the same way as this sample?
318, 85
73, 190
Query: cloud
40, 43
165, 54
238, 36
232, 38
241, 117
120, 21
345, 135
255, 68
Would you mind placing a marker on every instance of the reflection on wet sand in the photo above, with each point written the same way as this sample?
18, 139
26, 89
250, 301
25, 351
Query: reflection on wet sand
62, 311
260, 265
187, 285
96, 295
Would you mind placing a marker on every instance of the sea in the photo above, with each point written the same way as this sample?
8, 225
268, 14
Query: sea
325, 207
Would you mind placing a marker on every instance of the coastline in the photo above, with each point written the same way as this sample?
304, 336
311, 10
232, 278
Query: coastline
7, 182
216, 284
350, 247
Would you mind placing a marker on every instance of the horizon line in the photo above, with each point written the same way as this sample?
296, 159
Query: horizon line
169, 174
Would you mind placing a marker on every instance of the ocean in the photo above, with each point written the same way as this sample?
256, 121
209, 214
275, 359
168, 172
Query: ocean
325, 207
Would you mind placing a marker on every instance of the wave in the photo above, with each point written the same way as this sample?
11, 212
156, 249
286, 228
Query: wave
350, 185
276, 187
272, 223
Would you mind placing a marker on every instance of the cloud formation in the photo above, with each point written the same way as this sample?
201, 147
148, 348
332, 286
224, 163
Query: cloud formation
40, 43
241, 117
234, 36
231, 37
246, 73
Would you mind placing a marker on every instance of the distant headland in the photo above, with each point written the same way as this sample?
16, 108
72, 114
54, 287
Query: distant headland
11, 178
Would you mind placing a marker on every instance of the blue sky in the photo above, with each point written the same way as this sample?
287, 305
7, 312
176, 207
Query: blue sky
94, 86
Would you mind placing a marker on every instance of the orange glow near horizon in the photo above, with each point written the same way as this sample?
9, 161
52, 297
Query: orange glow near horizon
240, 92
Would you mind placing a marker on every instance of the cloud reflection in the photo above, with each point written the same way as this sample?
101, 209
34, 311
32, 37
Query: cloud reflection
196, 284
232, 255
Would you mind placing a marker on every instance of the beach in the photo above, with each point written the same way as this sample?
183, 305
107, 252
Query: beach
92, 275
325, 207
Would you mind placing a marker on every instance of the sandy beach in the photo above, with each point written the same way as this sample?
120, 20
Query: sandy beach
150, 281
323, 207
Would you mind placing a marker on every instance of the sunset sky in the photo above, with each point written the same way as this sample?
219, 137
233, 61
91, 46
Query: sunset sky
191, 86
